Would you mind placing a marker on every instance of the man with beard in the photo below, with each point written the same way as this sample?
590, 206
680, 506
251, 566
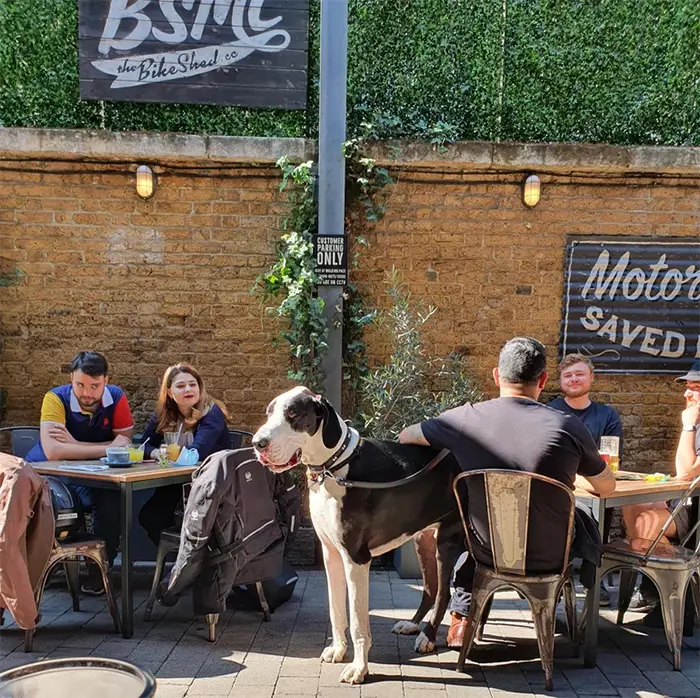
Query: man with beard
576, 378
79, 421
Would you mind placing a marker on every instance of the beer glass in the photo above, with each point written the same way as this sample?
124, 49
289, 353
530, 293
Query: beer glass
610, 447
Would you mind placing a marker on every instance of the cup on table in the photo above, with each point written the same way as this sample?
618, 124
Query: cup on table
610, 451
172, 446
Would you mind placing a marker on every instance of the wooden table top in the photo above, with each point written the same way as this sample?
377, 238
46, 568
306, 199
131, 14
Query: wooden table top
136, 473
627, 488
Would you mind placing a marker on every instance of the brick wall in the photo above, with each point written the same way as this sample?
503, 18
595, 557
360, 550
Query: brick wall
150, 283
465, 244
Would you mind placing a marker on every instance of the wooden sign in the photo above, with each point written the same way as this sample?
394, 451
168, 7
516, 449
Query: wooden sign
331, 254
250, 53
633, 305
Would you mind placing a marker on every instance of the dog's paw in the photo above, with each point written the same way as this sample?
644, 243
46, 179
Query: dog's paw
423, 644
354, 673
405, 627
334, 654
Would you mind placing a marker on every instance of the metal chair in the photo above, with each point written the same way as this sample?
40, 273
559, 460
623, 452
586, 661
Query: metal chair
62, 553
670, 567
508, 495
239, 438
23, 439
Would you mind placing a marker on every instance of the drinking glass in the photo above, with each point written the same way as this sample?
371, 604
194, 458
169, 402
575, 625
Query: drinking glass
610, 446
172, 446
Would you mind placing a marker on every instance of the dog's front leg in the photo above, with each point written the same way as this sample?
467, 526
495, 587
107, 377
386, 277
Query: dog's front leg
337, 592
358, 589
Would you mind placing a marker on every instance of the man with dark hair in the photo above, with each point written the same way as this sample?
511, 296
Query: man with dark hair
575, 378
515, 432
79, 421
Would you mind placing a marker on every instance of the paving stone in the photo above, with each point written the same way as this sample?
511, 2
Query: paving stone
630, 681
468, 690
672, 683
289, 685
164, 690
592, 681
384, 688
252, 691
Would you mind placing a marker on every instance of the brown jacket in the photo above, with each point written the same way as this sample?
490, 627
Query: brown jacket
26, 537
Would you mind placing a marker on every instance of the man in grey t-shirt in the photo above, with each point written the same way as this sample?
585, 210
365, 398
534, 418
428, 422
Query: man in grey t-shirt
515, 432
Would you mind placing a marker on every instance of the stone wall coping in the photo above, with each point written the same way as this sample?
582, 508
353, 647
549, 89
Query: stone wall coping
162, 147
150, 147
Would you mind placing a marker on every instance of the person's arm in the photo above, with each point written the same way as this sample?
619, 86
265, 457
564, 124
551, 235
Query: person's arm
687, 457
413, 435
122, 421
58, 443
603, 483
208, 432
152, 436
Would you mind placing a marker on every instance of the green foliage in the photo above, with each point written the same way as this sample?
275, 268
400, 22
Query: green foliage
412, 385
292, 278
616, 71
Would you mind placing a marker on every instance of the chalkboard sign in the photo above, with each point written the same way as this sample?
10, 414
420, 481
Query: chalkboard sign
631, 305
331, 253
250, 53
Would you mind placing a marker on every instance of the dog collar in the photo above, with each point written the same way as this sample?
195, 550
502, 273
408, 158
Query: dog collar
330, 465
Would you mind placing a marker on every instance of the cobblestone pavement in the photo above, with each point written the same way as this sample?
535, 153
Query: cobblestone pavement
252, 659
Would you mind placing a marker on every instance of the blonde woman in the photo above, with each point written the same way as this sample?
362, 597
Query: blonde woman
200, 421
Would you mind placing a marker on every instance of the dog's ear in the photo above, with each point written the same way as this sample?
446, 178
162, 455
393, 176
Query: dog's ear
332, 430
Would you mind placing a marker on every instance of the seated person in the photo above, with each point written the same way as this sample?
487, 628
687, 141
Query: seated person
515, 432
645, 521
78, 422
575, 378
185, 408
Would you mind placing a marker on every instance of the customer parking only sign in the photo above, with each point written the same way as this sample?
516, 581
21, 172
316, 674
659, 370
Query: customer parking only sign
331, 253
632, 305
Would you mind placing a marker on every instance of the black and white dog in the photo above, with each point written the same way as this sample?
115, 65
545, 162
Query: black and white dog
355, 524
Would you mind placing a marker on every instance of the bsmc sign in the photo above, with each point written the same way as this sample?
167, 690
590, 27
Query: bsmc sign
631, 305
230, 52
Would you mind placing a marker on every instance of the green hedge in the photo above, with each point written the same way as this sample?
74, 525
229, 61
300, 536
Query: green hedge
617, 71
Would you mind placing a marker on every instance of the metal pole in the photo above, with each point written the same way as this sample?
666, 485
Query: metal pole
331, 174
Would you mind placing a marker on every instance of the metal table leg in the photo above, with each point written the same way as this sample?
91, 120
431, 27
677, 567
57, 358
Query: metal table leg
127, 591
590, 651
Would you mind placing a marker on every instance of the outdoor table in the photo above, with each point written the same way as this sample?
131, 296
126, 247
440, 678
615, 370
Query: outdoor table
126, 481
626, 492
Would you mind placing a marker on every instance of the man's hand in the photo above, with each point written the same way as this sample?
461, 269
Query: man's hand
59, 433
120, 440
691, 415
413, 435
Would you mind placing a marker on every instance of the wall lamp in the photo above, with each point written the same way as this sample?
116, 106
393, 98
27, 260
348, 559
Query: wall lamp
531, 191
145, 182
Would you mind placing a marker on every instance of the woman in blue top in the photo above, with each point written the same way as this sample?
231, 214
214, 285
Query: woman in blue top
185, 408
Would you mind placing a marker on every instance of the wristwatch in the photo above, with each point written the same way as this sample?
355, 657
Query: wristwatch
690, 427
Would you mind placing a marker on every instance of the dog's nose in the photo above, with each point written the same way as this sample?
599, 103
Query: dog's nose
261, 442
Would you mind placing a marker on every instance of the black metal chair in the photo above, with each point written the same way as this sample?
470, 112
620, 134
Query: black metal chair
672, 568
508, 495
23, 439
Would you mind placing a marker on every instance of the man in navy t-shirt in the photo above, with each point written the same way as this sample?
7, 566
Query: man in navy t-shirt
576, 378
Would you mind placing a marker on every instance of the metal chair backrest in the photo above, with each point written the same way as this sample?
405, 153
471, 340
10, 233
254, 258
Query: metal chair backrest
509, 496
674, 515
239, 438
23, 439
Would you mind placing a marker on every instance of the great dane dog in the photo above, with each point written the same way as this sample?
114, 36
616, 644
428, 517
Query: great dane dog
356, 523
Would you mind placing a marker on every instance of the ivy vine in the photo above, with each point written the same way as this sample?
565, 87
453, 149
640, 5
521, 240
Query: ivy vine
291, 279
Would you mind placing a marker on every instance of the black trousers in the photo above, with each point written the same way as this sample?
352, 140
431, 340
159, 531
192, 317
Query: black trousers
158, 513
